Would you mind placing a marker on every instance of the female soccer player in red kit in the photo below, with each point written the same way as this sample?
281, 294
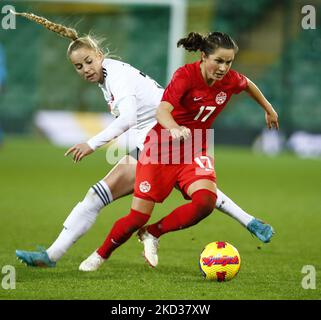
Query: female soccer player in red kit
196, 95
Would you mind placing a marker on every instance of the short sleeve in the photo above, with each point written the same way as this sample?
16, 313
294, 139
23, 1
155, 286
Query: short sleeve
178, 86
239, 82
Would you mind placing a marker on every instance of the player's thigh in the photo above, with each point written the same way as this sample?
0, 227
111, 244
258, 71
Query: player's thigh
200, 185
199, 174
121, 178
154, 182
142, 205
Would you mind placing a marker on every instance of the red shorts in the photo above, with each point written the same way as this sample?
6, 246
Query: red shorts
155, 182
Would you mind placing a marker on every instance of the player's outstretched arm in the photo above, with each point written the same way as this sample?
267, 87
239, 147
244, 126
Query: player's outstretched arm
271, 116
127, 118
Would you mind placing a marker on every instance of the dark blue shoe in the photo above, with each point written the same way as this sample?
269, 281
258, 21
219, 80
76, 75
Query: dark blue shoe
261, 230
35, 259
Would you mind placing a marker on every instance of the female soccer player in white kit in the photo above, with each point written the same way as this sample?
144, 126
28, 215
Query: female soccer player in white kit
133, 98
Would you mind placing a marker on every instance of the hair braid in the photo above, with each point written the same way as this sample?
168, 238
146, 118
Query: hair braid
55, 27
77, 42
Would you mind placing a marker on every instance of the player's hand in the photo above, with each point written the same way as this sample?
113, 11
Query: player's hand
271, 119
79, 151
180, 133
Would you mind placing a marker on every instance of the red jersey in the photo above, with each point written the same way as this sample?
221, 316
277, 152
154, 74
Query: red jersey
196, 105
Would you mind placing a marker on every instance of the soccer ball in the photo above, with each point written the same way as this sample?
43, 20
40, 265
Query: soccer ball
219, 261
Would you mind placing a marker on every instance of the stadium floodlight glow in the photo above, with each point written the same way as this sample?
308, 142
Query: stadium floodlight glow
176, 28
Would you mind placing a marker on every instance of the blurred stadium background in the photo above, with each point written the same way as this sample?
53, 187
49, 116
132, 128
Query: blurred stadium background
39, 187
275, 51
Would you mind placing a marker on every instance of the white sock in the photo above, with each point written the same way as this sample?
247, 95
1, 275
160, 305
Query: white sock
80, 219
226, 205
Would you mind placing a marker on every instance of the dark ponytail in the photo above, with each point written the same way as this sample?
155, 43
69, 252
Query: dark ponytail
209, 43
193, 42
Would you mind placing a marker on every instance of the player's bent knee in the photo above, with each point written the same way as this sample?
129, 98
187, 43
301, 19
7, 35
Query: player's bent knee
206, 209
205, 201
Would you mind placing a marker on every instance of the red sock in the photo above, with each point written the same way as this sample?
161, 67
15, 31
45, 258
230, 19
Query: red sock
122, 231
187, 215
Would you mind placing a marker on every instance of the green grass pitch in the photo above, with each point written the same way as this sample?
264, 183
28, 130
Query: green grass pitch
39, 187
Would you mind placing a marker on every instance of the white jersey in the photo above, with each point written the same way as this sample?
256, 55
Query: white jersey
121, 80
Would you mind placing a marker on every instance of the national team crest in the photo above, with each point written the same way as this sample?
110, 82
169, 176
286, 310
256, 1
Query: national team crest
221, 97
144, 186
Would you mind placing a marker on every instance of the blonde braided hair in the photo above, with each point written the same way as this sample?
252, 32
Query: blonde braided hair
55, 27
70, 33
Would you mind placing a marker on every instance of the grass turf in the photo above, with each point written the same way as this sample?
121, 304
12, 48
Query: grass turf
39, 187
